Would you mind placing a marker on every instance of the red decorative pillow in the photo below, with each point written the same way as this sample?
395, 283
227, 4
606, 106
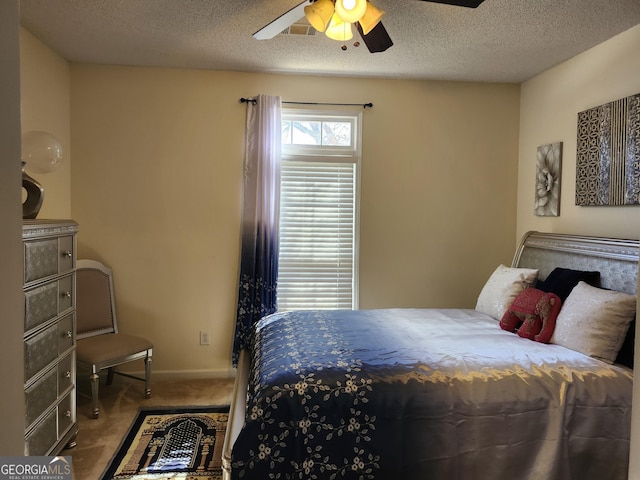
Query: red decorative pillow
533, 314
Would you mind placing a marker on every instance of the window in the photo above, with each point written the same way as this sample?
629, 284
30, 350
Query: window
319, 210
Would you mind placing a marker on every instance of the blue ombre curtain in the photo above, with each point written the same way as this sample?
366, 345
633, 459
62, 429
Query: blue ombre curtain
260, 217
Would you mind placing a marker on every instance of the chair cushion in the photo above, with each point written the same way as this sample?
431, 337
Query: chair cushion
110, 348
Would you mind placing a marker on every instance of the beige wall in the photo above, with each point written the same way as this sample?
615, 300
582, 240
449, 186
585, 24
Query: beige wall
11, 299
45, 104
156, 188
549, 108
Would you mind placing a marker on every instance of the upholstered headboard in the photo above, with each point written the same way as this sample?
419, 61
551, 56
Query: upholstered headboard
615, 259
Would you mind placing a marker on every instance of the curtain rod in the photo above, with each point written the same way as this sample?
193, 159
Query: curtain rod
363, 105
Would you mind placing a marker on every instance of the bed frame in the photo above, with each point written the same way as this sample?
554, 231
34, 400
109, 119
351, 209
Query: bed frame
615, 259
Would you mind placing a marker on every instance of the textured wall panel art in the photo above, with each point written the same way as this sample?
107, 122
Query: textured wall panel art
608, 154
548, 170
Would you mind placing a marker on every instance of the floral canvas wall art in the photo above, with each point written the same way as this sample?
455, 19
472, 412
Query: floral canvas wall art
548, 170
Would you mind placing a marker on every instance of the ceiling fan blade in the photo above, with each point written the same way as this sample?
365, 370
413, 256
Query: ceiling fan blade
459, 3
283, 21
377, 40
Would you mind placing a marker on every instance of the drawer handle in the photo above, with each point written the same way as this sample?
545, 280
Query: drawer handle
66, 294
67, 414
68, 374
69, 334
67, 253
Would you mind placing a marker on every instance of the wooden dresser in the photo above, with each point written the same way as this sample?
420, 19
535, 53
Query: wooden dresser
49, 335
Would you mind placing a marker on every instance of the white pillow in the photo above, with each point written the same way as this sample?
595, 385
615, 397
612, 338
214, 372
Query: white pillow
594, 321
503, 286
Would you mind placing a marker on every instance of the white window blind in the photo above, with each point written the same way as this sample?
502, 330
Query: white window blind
317, 235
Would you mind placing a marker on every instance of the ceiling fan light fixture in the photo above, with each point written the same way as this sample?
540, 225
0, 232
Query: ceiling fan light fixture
339, 30
350, 11
319, 14
371, 18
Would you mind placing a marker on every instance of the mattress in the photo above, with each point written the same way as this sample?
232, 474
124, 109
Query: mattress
426, 393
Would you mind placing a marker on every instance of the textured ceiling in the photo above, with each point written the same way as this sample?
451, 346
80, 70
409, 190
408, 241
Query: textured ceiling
500, 41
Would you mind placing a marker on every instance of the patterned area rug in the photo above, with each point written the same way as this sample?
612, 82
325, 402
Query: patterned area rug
172, 443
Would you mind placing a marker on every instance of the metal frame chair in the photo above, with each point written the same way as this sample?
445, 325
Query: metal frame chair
99, 344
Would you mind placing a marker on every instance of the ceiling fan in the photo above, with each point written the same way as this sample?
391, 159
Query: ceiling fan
335, 14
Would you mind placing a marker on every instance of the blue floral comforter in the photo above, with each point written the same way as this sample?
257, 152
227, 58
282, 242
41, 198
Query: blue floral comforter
420, 394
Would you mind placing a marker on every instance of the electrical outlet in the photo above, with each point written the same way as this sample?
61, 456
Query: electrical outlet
204, 338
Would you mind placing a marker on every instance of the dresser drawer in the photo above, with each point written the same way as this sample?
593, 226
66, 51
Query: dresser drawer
57, 381
66, 374
66, 414
41, 395
45, 346
40, 259
66, 331
40, 305
40, 350
40, 439
46, 257
45, 302
52, 428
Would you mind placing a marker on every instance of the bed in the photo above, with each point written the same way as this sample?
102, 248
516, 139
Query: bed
448, 393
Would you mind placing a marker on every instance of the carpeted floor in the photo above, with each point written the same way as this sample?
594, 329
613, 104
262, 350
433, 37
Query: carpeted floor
99, 439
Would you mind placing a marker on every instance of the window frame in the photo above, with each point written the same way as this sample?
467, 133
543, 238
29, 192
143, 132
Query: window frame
329, 151
333, 154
